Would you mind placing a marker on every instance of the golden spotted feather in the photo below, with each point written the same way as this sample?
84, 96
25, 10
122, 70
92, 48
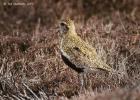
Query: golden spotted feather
78, 52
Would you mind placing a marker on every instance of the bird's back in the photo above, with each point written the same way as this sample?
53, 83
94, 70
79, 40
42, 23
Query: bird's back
82, 54
77, 51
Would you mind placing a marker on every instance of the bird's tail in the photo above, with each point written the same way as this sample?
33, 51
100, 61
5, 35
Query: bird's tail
112, 70
108, 68
104, 66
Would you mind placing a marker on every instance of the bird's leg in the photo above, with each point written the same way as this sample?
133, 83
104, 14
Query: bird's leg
88, 82
85, 77
83, 81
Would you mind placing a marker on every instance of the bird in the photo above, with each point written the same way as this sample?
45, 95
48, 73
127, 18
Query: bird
78, 54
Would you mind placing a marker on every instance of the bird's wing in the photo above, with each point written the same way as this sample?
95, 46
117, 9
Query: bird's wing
89, 57
95, 60
78, 58
85, 56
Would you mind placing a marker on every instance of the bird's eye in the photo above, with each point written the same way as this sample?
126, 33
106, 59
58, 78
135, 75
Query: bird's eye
62, 24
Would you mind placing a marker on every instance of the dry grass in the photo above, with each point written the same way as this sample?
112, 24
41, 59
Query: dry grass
30, 62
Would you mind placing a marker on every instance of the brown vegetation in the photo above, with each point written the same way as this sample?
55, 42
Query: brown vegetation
30, 62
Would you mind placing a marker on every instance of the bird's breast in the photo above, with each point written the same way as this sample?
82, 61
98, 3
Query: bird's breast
63, 49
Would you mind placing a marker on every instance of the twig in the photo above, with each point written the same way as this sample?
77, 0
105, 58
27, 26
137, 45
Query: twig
121, 22
31, 91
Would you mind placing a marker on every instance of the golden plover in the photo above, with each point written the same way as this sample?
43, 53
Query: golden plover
76, 53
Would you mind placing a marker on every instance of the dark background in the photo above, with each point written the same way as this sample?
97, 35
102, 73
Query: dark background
30, 62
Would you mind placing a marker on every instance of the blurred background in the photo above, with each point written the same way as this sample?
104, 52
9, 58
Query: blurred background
30, 61
24, 18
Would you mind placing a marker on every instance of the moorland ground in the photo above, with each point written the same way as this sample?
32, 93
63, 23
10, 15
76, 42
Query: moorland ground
30, 63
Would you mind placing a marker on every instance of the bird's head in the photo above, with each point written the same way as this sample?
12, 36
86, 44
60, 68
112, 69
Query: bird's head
67, 26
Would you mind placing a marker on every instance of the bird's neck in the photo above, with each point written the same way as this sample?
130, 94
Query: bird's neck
72, 32
67, 36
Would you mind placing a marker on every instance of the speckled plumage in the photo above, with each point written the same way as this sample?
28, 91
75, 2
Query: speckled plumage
80, 54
